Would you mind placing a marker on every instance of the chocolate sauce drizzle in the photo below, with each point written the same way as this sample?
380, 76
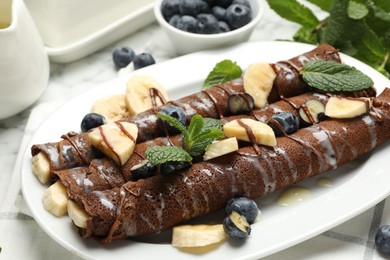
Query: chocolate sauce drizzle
156, 95
215, 101
109, 145
277, 124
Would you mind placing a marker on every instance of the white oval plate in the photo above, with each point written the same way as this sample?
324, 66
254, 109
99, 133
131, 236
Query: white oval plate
279, 227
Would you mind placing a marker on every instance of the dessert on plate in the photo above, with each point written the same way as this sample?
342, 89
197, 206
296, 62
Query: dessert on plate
247, 152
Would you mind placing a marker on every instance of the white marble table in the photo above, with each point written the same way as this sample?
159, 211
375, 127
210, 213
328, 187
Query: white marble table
68, 80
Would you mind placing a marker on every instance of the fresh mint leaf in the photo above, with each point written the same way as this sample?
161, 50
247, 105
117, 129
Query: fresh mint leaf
199, 144
306, 35
358, 28
160, 154
325, 5
172, 121
340, 27
198, 148
294, 11
377, 19
330, 76
210, 123
383, 4
209, 134
370, 47
200, 132
223, 71
356, 10
195, 127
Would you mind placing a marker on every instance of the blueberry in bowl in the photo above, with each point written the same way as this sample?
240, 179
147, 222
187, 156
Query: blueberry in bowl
194, 25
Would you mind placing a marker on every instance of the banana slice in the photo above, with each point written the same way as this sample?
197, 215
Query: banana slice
258, 81
55, 199
41, 167
113, 107
338, 107
248, 129
77, 214
116, 140
142, 93
221, 147
197, 235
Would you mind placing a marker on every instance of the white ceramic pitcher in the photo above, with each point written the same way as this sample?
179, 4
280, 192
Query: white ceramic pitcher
24, 64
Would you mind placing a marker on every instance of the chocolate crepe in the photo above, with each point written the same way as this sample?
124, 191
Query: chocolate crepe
161, 202
76, 150
101, 178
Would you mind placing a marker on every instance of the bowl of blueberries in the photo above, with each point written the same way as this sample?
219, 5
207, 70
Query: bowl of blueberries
195, 25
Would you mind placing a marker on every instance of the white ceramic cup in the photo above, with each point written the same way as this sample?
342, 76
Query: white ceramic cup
24, 64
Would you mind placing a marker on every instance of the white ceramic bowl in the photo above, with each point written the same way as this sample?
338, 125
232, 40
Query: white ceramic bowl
72, 29
185, 42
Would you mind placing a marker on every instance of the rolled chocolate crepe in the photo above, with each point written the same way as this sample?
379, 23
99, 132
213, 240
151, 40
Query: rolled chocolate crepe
76, 150
161, 202
104, 172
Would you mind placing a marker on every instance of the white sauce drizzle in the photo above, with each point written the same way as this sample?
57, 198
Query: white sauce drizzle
370, 125
104, 201
290, 163
324, 140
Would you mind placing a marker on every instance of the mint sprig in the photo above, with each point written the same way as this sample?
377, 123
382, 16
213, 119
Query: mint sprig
200, 133
160, 154
357, 28
223, 71
330, 76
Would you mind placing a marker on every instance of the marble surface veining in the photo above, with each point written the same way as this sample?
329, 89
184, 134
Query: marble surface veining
68, 80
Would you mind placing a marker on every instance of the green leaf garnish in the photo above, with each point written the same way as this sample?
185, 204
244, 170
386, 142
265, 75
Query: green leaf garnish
356, 10
330, 76
358, 28
197, 133
160, 154
200, 133
223, 71
295, 12
172, 121
210, 123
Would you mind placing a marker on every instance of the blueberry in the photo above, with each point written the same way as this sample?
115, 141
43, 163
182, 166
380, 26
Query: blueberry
174, 112
143, 60
382, 239
218, 12
237, 16
223, 3
188, 24
223, 27
236, 226
240, 103
284, 122
92, 120
193, 7
122, 56
243, 206
207, 24
168, 168
174, 20
169, 8
142, 170
242, 2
